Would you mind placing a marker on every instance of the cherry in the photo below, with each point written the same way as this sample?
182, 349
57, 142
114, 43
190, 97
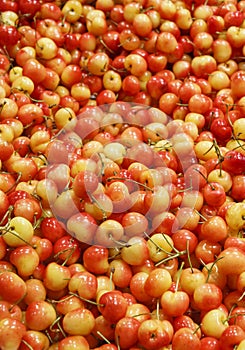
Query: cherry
221, 129
113, 306
52, 229
9, 35
8, 5
234, 162
214, 194
29, 7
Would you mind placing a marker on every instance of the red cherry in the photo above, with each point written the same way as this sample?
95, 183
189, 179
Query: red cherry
9, 5
113, 306
52, 229
29, 7
214, 194
221, 129
234, 162
9, 35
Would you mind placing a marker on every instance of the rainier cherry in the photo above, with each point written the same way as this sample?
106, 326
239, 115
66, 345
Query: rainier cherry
112, 305
154, 334
11, 333
129, 326
40, 315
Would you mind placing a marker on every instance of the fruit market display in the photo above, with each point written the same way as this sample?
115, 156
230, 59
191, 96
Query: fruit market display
122, 175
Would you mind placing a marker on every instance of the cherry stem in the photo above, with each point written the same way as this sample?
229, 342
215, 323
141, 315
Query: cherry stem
185, 189
45, 214
103, 337
120, 243
94, 200
167, 147
241, 297
111, 276
87, 300
52, 301
188, 255
60, 329
240, 145
229, 119
142, 314
147, 9
34, 99
36, 222
197, 329
48, 336
117, 342
116, 255
117, 69
64, 19
177, 255
7, 54
16, 182
130, 180
102, 171
242, 231
179, 272
220, 157
42, 157
2, 105
47, 119
53, 324
18, 301
157, 310
208, 150
182, 104
61, 131
202, 216
170, 255
7, 214
212, 187
211, 268
199, 172
236, 314
107, 48
155, 244
27, 344
70, 250
12, 231
172, 246
28, 125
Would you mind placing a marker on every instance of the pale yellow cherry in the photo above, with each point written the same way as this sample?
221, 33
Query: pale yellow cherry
235, 216
18, 232
23, 84
65, 118
239, 128
205, 150
160, 245
72, 11
46, 48
9, 18
15, 73
214, 323
236, 144
222, 177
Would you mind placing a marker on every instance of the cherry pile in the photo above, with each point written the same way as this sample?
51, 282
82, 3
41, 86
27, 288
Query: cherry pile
122, 175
